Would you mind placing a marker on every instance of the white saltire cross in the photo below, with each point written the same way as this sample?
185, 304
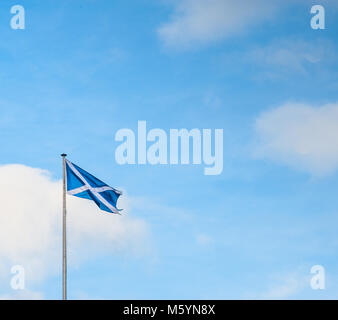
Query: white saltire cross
95, 191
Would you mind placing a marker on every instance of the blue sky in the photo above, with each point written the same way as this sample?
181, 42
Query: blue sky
81, 70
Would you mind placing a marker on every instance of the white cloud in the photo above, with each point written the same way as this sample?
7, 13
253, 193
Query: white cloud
293, 55
30, 219
203, 239
300, 135
212, 101
199, 22
285, 286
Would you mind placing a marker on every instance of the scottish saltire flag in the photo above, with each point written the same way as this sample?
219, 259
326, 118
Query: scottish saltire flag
82, 184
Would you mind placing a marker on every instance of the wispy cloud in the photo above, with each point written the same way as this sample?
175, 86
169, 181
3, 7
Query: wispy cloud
203, 239
200, 22
285, 286
284, 59
196, 23
286, 56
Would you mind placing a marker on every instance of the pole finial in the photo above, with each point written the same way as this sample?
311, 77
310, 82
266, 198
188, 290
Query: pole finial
64, 155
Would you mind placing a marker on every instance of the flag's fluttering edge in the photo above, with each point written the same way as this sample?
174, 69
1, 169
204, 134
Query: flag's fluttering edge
82, 184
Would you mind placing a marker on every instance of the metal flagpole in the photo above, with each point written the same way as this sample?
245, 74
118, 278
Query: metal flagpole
64, 234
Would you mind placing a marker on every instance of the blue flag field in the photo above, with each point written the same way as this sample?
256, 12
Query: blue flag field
82, 184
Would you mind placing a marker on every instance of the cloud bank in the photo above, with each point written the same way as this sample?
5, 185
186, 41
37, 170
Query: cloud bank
30, 219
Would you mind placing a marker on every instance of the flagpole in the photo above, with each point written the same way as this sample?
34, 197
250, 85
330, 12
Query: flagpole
64, 234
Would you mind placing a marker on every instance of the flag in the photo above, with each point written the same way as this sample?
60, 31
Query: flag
82, 184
